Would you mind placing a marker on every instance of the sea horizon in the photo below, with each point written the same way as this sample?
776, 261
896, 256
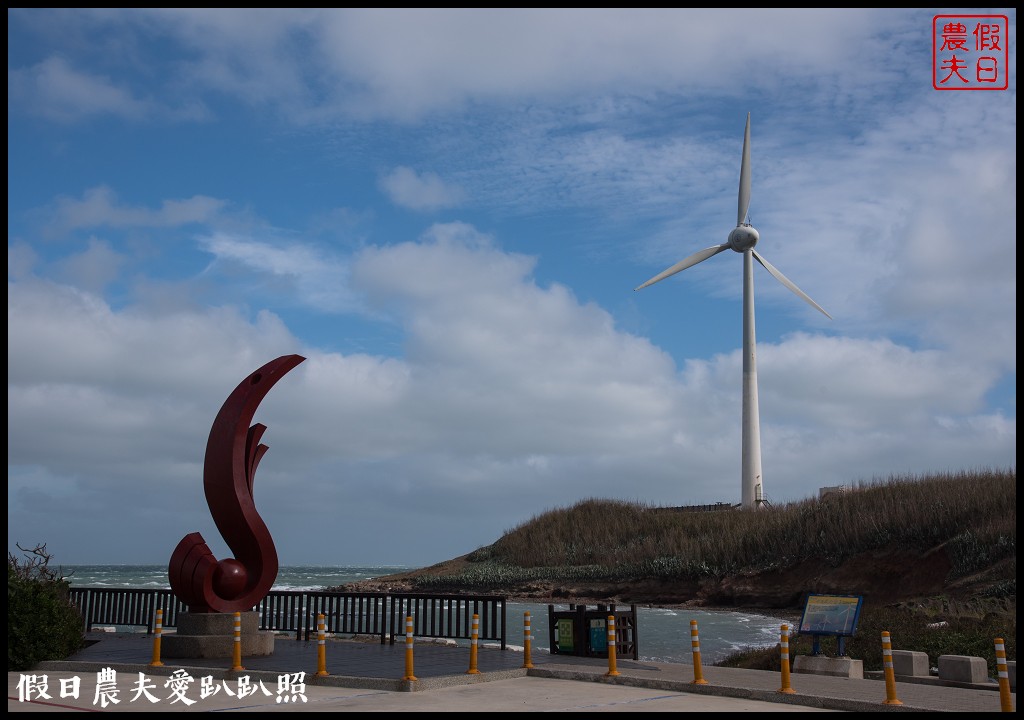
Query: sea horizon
289, 577
663, 633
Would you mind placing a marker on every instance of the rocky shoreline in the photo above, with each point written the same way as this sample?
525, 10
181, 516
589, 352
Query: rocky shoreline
883, 578
641, 594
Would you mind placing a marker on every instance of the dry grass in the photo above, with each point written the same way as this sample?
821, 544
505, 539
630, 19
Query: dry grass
974, 514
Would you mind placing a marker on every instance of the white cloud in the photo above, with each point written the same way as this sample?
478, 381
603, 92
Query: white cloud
100, 207
404, 63
898, 228
67, 336
419, 191
56, 90
511, 398
94, 268
21, 258
407, 62
315, 279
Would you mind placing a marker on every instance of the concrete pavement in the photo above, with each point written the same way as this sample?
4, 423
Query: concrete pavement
512, 694
368, 676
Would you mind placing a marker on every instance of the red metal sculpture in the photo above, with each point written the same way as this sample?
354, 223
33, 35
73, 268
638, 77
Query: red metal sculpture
233, 452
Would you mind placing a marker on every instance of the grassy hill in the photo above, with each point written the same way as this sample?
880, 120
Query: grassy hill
938, 548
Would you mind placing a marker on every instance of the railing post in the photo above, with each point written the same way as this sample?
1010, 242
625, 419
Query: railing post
890, 675
612, 664
157, 632
698, 673
316, 602
408, 649
236, 663
397, 606
527, 640
784, 656
503, 610
1005, 697
474, 639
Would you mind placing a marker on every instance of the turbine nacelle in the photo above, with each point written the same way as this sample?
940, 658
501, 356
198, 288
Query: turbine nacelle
743, 237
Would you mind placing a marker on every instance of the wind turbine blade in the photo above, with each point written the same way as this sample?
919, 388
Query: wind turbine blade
788, 283
697, 257
744, 196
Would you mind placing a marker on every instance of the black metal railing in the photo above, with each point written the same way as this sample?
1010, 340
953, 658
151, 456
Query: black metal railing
449, 616
125, 606
350, 613
296, 611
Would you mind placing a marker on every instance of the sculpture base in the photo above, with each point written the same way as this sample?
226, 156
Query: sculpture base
212, 635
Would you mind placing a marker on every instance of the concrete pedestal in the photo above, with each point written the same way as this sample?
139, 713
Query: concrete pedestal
212, 635
963, 669
836, 667
909, 663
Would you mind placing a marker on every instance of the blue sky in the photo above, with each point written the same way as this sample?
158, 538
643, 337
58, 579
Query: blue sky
447, 212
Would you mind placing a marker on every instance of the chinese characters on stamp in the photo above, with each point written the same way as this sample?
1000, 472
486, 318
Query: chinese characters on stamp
291, 688
970, 52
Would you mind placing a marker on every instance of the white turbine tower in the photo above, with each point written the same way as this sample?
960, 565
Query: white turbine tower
742, 239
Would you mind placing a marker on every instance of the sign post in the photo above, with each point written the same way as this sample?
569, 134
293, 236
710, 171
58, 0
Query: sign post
833, 615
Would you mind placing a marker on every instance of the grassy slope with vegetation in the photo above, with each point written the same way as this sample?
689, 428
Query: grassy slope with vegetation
920, 550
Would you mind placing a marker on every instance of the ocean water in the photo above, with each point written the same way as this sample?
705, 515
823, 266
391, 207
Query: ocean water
295, 577
663, 634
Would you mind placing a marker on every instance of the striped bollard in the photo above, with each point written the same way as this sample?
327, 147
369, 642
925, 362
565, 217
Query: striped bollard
158, 632
612, 666
890, 675
527, 638
321, 647
408, 649
784, 656
1005, 698
473, 646
237, 654
698, 674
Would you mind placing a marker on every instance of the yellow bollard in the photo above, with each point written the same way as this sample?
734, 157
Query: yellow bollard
612, 667
408, 649
473, 646
786, 687
237, 654
1005, 698
321, 647
698, 673
890, 676
527, 638
158, 631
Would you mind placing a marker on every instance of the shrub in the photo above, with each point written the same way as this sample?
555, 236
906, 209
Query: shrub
42, 624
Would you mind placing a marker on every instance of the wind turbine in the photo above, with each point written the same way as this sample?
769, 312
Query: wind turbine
742, 239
